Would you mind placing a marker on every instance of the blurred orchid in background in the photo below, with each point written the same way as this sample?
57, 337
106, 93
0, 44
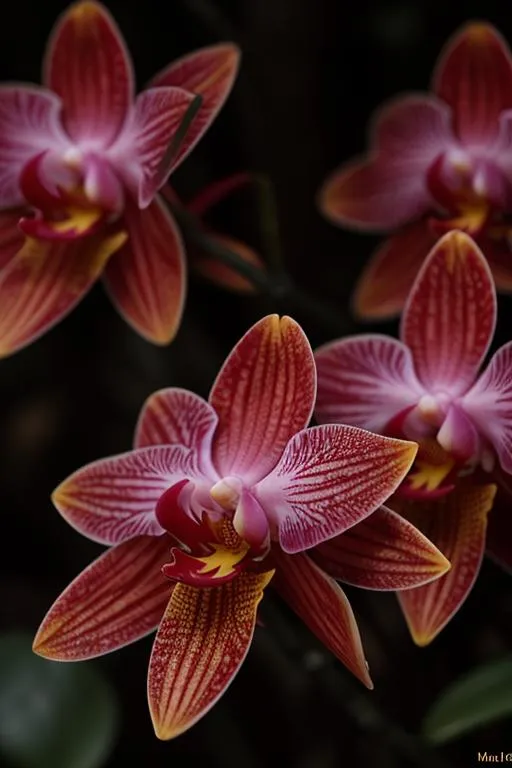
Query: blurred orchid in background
82, 162
437, 162
426, 388
221, 497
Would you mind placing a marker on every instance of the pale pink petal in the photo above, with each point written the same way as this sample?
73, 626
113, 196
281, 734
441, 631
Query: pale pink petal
146, 279
118, 599
209, 73
389, 188
88, 65
200, 645
458, 435
263, 395
449, 318
364, 381
140, 152
330, 478
29, 124
489, 404
324, 608
114, 499
474, 76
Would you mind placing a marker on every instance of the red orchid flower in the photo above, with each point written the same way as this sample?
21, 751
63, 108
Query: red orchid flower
81, 162
437, 162
219, 495
426, 387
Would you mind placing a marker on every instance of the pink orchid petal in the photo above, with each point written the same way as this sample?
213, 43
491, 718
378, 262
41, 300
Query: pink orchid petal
364, 381
263, 395
389, 188
456, 523
117, 600
146, 279
489, 404
114, 499
383, 552
209, 73
44, 281
29, 124
457, 435
448, 322
175, 415
88, 65
328, 479
385, 282
250, 521
324, 608
139, 154
200, 646
474, 76
11, 238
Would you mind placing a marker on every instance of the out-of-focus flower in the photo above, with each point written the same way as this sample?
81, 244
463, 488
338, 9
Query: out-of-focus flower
437, 162
426, 387
81, 163
235, 489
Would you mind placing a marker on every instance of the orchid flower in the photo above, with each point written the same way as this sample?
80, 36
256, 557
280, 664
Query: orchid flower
437, 162
216, 499
426, 387
81, 163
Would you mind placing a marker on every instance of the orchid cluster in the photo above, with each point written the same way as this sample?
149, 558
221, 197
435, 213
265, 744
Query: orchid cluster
219, 499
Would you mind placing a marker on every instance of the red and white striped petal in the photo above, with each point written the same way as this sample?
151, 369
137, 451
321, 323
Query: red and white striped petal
365, 381
210, 73
324, 608
44, 281
457, 524
330, 478
263, 395
146, 279
88, 65
450, 315
29, 124
474, 76
387, 279
139, 154
118, 599
175, 415
201, 643
489, 404
114, 499
388, 189
383, 552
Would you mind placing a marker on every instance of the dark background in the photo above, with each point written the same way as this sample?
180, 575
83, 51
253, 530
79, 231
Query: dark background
313, 71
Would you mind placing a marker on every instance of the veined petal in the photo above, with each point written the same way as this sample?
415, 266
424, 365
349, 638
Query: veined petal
11, 239
457, 524
384, 285
330, 478
29, 124
324, 608
489, 404
44, 281
114, 499
474, 76
140, 151
365, 381
383, 552
176, 415
118, 599
450, 315
146, 280
263, 395
88, 65
201, 643
210, 73
389, 188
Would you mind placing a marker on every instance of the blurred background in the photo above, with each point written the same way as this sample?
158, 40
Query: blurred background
312, 73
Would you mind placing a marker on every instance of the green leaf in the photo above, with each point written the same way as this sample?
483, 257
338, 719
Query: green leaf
480, 697
52, 715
